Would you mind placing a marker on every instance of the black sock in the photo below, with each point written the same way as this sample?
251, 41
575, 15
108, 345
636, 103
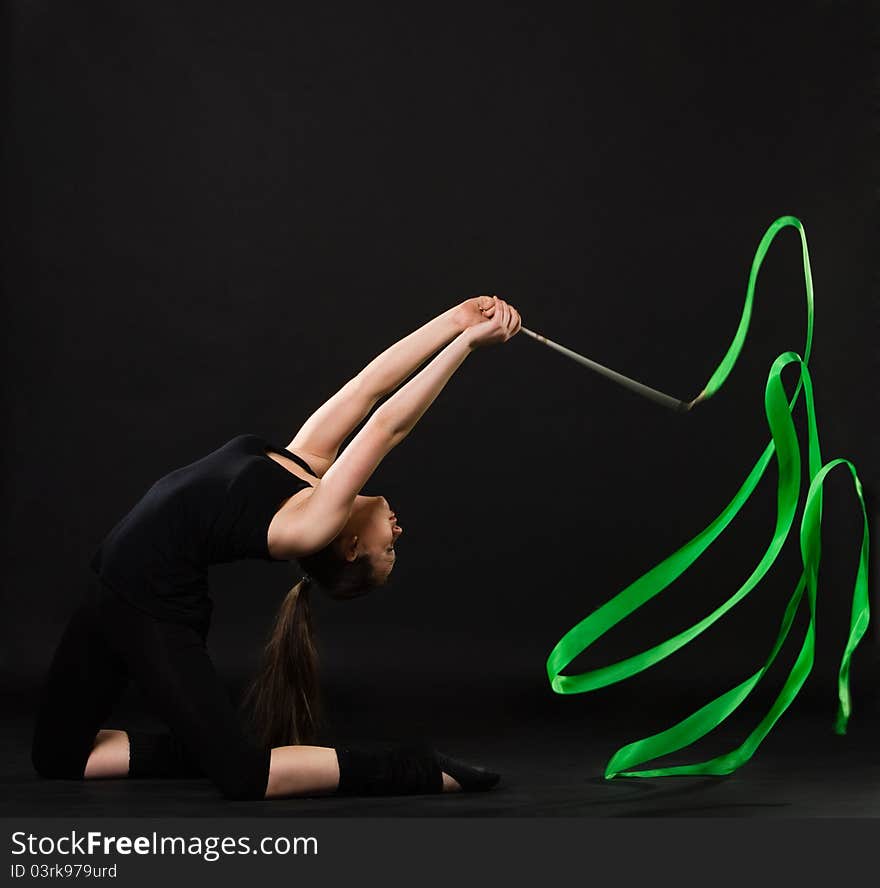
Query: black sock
158, 755
404, 769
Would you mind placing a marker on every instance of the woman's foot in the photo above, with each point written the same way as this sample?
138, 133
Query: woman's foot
464, 776
403, 769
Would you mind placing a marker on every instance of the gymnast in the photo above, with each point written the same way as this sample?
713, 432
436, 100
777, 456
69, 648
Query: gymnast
146, 618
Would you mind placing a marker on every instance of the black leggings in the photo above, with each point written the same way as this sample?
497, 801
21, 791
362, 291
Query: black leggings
109, 642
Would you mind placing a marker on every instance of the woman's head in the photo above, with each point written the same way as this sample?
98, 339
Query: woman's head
362, 555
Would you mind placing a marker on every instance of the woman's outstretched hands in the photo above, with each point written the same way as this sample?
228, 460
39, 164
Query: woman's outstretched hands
500, 322
470, 312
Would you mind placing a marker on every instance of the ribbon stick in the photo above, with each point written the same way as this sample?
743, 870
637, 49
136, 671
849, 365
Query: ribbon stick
784, 445
639, 388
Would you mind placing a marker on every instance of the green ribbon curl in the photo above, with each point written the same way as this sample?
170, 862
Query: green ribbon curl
784, 444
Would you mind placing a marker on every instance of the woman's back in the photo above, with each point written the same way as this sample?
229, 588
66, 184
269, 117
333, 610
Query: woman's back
214, 510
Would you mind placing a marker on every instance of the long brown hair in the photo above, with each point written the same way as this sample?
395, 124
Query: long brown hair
284, 699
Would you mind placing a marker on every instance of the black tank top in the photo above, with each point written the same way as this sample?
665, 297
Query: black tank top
214, 510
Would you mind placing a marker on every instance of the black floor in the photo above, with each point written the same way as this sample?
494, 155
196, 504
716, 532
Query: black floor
550, 750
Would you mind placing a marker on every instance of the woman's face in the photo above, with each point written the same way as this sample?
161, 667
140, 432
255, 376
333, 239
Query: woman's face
375, 527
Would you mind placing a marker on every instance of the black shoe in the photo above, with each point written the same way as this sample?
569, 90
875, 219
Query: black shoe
471, 777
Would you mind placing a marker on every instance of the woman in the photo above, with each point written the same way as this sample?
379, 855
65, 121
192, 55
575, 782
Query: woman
149, 616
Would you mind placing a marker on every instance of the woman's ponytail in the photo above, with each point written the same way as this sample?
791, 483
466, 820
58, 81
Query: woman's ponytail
284, 699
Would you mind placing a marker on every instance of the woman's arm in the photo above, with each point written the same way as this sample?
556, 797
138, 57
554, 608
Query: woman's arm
325, 512
321, 436
389, 369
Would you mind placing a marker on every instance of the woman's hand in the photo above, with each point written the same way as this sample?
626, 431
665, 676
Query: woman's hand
470, 312
500, 322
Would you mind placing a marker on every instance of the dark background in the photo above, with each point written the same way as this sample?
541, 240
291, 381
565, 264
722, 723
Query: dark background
219, 212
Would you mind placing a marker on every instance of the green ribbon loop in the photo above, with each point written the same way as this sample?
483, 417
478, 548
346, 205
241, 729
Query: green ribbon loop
784, 444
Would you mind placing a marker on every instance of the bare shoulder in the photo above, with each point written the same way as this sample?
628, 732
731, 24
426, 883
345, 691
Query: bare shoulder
303, 525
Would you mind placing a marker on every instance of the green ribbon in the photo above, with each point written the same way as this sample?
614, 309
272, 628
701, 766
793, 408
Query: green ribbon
785, 445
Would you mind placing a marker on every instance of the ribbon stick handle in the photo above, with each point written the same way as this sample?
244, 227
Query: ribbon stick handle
633, 385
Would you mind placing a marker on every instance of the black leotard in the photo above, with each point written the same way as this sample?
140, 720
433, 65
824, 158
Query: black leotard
214, 510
